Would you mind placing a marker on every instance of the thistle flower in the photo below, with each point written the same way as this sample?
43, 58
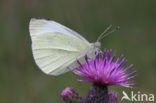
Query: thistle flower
105, 71
67, 93
113, 97
70, 96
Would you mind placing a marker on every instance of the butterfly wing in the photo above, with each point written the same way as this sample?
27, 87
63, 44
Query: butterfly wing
38, 26
54, 47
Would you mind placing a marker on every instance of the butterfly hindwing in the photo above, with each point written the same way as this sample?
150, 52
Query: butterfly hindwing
53, 50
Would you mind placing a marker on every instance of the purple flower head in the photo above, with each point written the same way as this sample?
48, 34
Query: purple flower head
67, 93
106, 71
113, 97
70, 96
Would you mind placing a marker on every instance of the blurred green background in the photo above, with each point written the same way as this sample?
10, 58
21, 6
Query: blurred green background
21, 81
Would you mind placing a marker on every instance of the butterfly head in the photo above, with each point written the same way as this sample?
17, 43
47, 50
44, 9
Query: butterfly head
97, 45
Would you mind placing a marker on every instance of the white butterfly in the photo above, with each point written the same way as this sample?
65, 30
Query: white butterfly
56, 47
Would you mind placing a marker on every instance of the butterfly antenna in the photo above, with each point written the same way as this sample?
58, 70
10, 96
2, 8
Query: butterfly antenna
108, 28
104, 34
